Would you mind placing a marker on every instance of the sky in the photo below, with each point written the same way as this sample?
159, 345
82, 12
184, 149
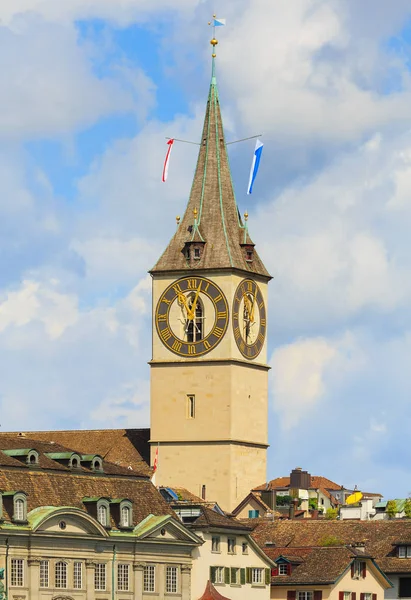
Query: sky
89, 91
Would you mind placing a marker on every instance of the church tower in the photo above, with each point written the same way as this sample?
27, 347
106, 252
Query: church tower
209, 373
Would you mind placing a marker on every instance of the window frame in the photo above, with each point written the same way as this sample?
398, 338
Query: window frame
191, 406
20, 500
244, 548
44, 574
219, 574
231, 543
281, 566
77, 576
126, 504
149, 578
260, 573
61, 576
103, 504
216, 547
123, 577
17, 572
100, 574
305, 595
174, 580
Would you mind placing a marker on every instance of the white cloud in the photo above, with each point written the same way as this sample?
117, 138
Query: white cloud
55, 91
310, 78
35, 302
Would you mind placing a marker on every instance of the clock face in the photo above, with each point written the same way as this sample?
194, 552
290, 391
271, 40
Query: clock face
192, 316
249, 319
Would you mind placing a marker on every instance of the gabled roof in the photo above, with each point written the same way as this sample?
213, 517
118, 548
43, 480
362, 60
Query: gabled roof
212, 212
284, 482
320, 566
247, 499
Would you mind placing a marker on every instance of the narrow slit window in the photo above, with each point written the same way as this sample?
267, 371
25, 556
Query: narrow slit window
191, 406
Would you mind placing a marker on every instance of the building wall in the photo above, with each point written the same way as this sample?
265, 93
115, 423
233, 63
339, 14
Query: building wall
89, 552
204, 558
224, 446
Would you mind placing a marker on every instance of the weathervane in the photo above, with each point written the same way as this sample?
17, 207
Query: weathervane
215, 23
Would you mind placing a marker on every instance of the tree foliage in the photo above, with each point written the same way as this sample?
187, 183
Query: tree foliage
331, 514
391, 509
407, 508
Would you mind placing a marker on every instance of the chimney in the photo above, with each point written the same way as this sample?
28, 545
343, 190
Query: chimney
293, 507
299, 479
314, 514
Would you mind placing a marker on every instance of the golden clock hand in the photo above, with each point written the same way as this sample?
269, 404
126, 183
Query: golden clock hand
194, 304
247, 304
181, 299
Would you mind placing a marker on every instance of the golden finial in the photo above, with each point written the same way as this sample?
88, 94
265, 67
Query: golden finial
178, 220
214, 42
246, 215
195, 214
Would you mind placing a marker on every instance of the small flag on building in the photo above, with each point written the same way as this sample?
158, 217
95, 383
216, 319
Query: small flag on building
255, 164
167, 160
219, 22
155, 465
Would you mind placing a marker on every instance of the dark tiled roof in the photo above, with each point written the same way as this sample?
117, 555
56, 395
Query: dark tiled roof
378, 537
312, 568
68, 489
210, 593
122, 447
211, 518
47, 462
212, 195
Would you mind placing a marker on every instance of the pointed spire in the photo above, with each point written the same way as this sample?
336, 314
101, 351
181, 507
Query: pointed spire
225, 242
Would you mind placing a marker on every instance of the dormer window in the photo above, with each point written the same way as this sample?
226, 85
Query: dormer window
103, 513
126, 514
249, 254
75, 461
359, 569
33, 457
404, 551
197, 253
20, 507
187, 253
97, 464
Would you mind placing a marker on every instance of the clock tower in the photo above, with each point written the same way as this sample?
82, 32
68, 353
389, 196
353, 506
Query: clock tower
209, 373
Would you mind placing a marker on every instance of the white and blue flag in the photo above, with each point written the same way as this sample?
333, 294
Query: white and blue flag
255, 164
219, 22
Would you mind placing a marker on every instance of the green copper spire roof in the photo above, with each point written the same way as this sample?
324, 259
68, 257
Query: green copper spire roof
211, 224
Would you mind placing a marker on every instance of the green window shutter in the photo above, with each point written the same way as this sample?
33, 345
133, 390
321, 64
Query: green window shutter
242, 576
267, 576
226, 575
248, 575
212, 574
232, 575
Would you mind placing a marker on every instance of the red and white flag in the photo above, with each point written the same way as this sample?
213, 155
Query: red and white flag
167, 160
155, 465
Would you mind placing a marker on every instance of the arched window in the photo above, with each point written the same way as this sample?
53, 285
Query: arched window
20, 508
195, 326
125, 516
102, 514
61, 574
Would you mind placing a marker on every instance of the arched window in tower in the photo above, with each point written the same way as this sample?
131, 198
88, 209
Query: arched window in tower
195, 324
